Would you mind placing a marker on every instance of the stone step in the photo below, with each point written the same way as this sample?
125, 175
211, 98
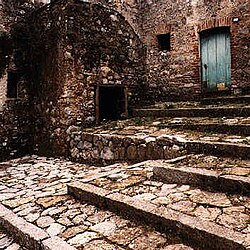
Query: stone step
223, 111
226, 99
232, 129
7, 242
34, 193
195, 230
137, 143
206, 172
29, 235
223, 149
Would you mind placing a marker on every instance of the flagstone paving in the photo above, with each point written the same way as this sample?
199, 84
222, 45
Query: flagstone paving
7, 243
34, 188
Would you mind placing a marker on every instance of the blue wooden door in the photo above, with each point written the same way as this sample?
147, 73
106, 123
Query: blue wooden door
216, 60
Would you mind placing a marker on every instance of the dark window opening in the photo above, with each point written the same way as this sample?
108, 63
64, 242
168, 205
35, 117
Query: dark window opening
111, 103
12, 84
164, 41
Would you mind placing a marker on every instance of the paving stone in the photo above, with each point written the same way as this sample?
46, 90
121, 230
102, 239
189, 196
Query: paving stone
145, 196
208, 213
14, 246
51, 201
45, 221
235, 220
79, 219
73, 231
83, 238
183, 206
32, 217
55, 229
65, 221
124, 235
177, 247
99, 216
101, 245
17, 202
149, 241
212, 199
105, 228
5, 242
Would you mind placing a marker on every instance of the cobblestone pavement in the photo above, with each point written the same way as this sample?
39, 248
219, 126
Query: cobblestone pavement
7, 243
35, 189
231, 211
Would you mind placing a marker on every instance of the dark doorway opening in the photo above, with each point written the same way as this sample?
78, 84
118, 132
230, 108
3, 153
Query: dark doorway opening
164, 41
111, 103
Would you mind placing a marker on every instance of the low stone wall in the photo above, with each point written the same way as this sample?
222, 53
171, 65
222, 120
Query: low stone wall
108, 148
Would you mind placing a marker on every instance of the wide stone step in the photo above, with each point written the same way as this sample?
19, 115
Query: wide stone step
193, 112
7, 242
226, 99
206, 172
233, 129
196, 231
223, 149
38, 210
29, 235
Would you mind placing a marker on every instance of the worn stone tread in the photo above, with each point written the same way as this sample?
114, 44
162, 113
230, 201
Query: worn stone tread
213, 235
203, 178
27, 234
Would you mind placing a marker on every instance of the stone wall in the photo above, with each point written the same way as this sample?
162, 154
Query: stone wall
15, 130
70, 49
106, 148
16, 122
176, 74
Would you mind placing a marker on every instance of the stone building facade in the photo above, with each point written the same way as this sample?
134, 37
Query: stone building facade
62, 62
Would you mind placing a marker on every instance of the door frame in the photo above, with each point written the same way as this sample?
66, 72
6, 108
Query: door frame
97, 100
204, 90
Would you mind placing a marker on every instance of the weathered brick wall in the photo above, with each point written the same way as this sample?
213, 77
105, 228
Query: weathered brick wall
176, 74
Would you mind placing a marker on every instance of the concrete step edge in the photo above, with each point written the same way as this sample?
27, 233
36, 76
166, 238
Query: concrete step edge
29, 235
194, 231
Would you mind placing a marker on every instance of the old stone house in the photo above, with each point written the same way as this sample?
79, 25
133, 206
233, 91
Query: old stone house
72, 62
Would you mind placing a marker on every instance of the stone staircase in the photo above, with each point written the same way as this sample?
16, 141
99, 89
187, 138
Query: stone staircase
173, 197
169, 183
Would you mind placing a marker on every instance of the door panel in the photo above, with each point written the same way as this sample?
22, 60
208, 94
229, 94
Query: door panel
216, 60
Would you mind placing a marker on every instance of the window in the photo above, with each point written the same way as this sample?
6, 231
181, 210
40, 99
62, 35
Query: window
164, 41
12, 84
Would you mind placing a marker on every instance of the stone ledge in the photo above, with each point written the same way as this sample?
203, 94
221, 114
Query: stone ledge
193, 112
27, 234
238, 129
206, 179
194, 231
219, 148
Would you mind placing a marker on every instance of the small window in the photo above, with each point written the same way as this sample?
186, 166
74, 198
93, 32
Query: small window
164, 41
12, 84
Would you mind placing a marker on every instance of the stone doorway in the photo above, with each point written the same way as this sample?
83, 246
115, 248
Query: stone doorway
111, 103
